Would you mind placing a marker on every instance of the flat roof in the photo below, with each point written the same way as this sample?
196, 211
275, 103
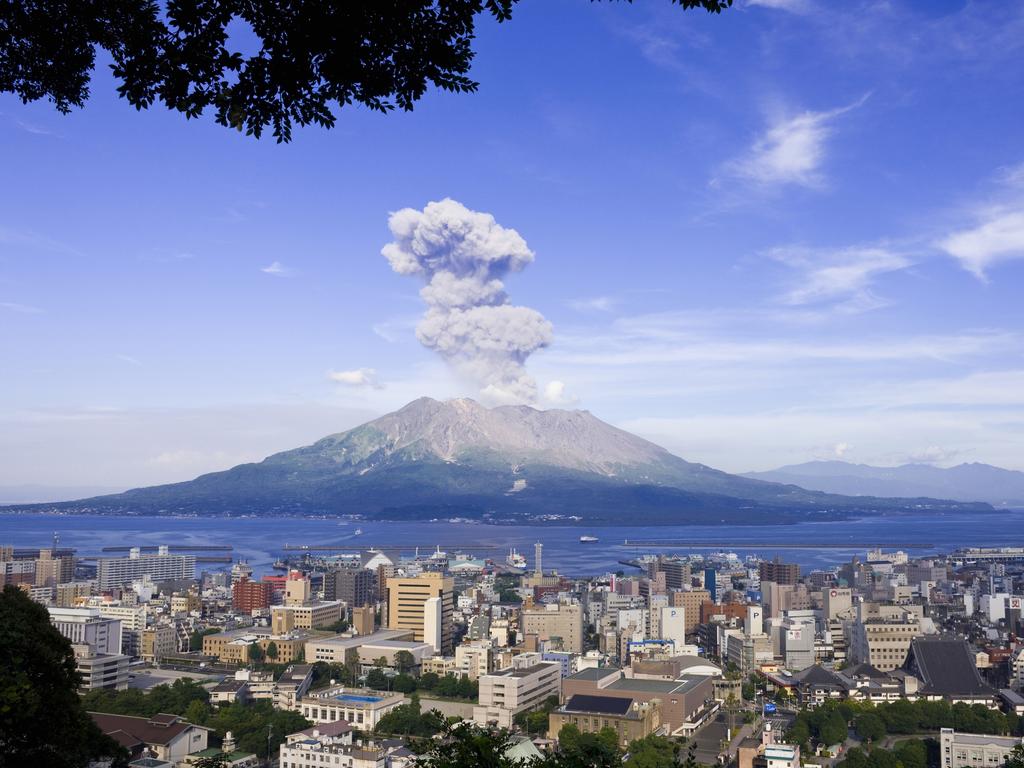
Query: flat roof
527, 671
593, 673
604, 705
657, 686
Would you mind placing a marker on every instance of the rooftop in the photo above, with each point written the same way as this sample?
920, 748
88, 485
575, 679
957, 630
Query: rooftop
656, 686
604, 705
594, 673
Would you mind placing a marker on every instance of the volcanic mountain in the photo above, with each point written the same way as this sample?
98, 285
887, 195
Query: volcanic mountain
458, 458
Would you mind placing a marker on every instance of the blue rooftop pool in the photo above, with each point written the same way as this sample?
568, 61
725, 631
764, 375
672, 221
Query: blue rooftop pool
357, 699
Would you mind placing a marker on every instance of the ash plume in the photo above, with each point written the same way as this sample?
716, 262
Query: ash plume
462, 255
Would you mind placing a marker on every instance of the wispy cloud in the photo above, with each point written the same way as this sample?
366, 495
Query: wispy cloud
843, 276
359, 377
22, 309
593, 304
996, 229
130, 360
793, 6
790, 151
277, 269
37, 130
998, 236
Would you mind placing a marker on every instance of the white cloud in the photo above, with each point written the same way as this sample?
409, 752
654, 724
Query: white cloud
843, 275
554, 394
277, 269
130, 360
998, 236
791, 151
359, 377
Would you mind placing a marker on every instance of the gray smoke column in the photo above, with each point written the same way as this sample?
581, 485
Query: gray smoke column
462, 255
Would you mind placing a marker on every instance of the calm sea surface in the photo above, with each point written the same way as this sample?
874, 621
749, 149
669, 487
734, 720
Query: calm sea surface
261, 541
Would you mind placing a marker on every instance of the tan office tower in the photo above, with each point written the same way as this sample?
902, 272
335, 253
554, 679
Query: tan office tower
362, 620
409, 608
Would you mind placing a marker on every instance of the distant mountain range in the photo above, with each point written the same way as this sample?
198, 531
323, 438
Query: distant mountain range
964, 482
432, 460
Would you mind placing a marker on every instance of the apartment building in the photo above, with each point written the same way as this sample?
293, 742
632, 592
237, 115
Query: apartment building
157, 642
248, 596
778, 572
114, 572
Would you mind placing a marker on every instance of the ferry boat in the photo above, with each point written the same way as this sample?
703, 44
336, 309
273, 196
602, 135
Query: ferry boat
357, 532
516, 560
588, 539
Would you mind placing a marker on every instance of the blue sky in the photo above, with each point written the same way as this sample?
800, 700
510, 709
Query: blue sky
792, 231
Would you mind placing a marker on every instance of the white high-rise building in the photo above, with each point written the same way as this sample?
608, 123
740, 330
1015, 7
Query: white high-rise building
122, 571
97, 646
673, 627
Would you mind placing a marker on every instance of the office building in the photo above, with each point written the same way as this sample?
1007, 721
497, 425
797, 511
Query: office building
970, 750
362, 709
631, 720
286, 618
96, 642
524, 686
114, 572
410, 607
560, 624
881, 636
682, 702
353, 585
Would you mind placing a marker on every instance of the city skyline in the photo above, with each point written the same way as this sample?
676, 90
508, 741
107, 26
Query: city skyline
759, 239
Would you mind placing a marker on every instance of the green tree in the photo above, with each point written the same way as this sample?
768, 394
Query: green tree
272, 650
869, 727
42, 720
405, 662
428, 681
255, 653
652, 752
376, 679
833, 730
197, 712
1016, 759
213, 761
403, 684
307, 60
